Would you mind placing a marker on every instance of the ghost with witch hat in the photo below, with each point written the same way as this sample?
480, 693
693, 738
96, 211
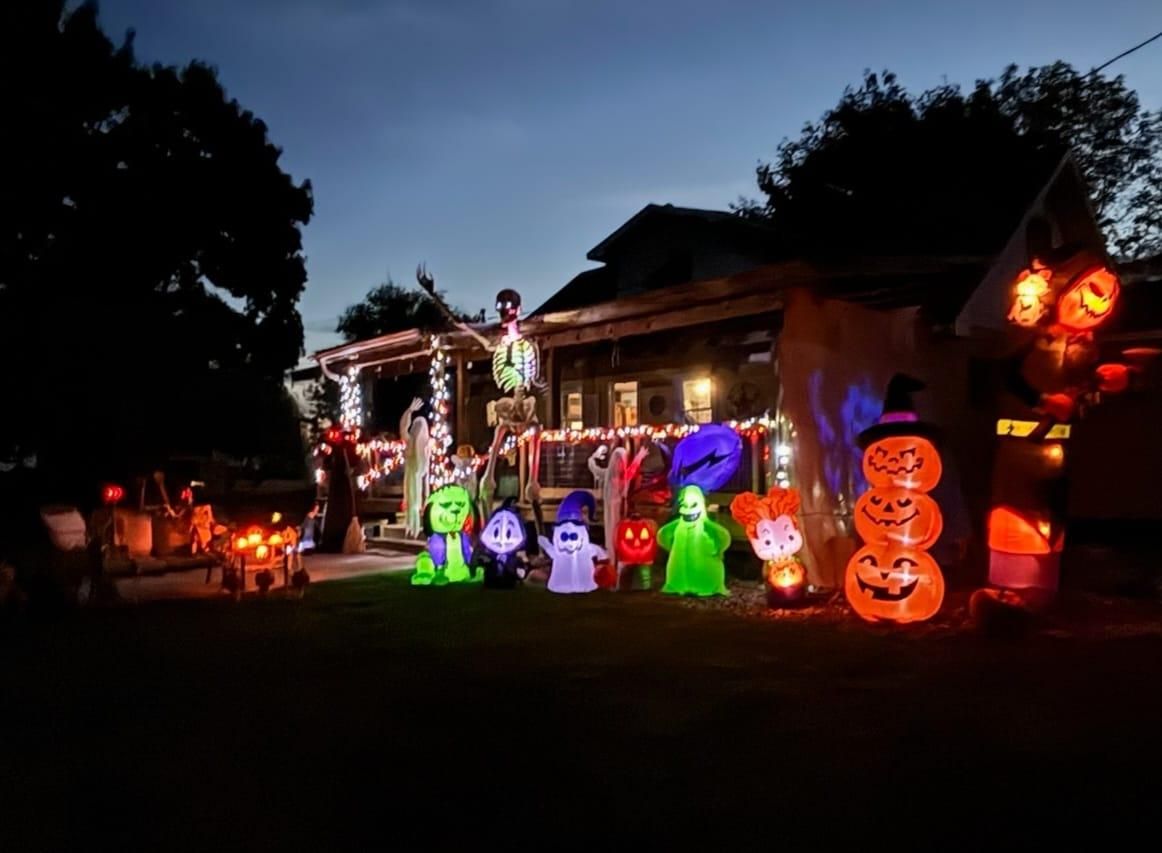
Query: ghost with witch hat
572, 553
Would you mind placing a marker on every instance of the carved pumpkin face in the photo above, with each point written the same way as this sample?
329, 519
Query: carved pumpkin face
893, 582
787, 574
907, 461
637, 541
1088, 300
889, 514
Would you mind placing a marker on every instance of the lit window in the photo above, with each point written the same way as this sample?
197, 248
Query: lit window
624, 404
697, 400
574, 408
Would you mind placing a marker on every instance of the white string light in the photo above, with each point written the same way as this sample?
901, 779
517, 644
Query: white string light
439, 468
351, 400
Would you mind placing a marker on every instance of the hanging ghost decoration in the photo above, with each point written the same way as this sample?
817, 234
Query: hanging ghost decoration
703, 461
498, 550
572, 553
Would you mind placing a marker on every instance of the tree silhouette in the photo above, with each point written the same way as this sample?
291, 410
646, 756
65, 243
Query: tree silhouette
150, 250
390, 308
889, 172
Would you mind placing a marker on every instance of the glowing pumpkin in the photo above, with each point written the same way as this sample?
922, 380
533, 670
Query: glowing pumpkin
1088, 300
893, 582
908, 461
886, 514
786, 582
637, 541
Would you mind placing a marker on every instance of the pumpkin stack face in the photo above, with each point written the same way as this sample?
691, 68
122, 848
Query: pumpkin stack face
894, 582
910, 462
889, 514
892, 576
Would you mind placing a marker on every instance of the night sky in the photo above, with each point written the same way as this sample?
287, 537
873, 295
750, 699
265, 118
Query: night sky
499, 140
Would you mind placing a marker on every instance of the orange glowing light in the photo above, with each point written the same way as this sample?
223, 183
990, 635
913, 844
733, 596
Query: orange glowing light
1012, 533
241, 543
1029, 306
1055, 452
261, 552
254, 536
1089, 300
275, 539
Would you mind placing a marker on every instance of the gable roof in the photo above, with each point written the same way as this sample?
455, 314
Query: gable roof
725, 226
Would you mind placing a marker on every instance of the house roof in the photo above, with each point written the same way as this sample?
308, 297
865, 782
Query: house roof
585, 288
727, 227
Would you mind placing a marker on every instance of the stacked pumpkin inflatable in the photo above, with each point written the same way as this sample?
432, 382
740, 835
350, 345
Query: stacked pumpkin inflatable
892, 576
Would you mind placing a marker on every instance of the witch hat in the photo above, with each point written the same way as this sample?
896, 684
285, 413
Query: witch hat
899, 415
572, 508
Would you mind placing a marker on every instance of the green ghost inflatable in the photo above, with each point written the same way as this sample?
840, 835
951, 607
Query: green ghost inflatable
703, 461
696, 545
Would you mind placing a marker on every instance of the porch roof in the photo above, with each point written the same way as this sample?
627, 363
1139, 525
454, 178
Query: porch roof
879, 282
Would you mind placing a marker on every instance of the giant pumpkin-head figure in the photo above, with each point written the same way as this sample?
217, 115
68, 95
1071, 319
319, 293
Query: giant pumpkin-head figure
893, 582
1088, 300
886, 514
637, 541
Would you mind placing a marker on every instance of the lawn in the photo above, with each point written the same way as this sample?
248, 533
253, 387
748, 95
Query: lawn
372, 714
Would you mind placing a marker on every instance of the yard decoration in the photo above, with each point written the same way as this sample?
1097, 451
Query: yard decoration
572, 553
414, 429
886, 514
775, 538
515, 362
1053, 375
614, 479
449, 551
636, 548
498, 548
894, 582
892, 577
703, 461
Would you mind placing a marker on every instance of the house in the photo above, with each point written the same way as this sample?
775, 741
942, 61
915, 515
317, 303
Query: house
692, 319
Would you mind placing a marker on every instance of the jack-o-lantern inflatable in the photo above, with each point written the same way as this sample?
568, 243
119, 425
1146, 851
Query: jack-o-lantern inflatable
895, 583
1088, 300
893, 577
637, 546
886, 514
908, 461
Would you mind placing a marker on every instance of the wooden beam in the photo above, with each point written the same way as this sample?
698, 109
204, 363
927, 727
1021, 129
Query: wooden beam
723, 310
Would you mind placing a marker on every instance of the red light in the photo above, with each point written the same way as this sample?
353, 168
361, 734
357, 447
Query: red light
112, 494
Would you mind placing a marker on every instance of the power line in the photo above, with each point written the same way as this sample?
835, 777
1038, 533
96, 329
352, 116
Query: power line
1126, 53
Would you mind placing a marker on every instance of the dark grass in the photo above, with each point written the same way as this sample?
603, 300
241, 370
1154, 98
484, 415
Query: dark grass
374, 716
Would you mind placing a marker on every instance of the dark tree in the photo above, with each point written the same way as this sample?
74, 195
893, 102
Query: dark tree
889, 172
390, 308
150, 251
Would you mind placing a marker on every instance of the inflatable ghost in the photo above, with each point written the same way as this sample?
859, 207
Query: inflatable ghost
572, 553
498, 549
449, 546
703, 461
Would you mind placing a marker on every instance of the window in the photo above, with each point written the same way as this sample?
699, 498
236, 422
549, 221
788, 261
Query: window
624, 404
572, 407
697, 402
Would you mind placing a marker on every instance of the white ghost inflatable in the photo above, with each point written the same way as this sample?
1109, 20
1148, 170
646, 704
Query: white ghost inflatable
572, 553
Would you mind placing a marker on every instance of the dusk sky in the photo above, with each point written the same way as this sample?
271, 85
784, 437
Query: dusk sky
499, 140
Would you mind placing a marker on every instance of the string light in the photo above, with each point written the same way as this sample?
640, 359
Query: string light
351, 400
382, 457
439, 468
